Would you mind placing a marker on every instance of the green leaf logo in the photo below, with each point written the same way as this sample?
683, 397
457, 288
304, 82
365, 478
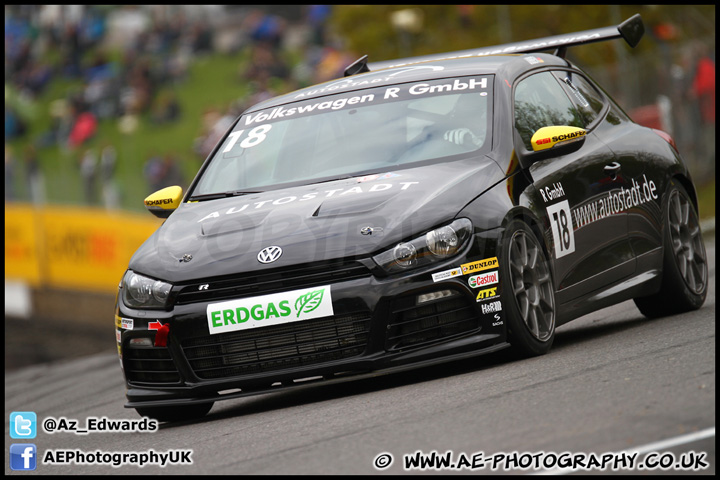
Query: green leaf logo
309, 302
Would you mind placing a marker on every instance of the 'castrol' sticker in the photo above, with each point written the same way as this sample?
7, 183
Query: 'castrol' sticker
478, 281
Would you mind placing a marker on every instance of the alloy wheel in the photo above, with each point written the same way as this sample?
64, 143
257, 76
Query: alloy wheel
687, 244
532, 285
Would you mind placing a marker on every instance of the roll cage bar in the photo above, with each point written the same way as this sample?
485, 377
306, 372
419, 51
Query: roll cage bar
631, 30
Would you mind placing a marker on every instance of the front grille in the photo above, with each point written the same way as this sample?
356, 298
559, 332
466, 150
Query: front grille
267, 349
271, 281
414, 325
149, 365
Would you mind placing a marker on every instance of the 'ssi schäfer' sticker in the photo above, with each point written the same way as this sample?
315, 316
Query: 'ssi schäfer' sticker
446, 274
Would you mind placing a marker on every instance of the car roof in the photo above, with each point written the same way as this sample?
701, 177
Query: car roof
508, 66
504, 60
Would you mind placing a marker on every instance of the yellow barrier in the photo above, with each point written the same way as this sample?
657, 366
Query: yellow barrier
22, 245
72, 247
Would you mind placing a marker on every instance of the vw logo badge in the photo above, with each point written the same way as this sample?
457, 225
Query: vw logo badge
269, 254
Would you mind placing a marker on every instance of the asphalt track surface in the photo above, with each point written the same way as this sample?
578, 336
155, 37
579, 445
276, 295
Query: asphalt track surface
614, 382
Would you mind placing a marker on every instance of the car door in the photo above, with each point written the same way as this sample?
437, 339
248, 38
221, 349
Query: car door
629, 144
580, 193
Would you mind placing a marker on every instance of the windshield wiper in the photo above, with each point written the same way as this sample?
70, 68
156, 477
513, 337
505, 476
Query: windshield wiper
333, 179
213, 196
237, 193
350, 175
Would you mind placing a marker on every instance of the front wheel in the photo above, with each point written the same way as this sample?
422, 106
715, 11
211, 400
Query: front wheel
685, 270
527, 291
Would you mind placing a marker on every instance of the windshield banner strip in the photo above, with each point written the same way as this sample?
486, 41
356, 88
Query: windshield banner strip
381, 95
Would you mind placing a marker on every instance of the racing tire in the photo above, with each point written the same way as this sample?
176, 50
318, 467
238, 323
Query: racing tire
527, 291
176, 413
685, 269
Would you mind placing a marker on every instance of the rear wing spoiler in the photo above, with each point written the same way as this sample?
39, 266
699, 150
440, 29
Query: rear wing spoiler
631, 30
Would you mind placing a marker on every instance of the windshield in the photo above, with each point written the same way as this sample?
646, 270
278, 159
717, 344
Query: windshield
358, 132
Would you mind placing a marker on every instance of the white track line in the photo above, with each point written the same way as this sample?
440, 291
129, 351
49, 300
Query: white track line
650, 447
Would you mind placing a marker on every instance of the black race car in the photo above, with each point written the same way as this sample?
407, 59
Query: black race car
417, 211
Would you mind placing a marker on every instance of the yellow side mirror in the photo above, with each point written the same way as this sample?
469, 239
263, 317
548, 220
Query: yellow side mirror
163, 202
548, 137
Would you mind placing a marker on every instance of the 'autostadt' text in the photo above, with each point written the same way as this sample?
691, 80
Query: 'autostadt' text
616, 202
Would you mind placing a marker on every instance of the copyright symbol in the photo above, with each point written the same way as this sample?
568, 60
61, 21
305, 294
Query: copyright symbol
49, 425
383, 461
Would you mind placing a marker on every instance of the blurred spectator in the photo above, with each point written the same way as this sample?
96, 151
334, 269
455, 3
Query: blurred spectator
260, 91
165, 108
108, 164
14, 125
317, 16
703, 86
466, 15
17, 45
61, 122
161, 172
9, 174
153, 172
200, 38
22, 69
84, 124
73, 51
35, 179
93, 27
36, 78
702, 91
332, 64
215, 125
137, 94
265, 28
101, 87
171, 174
265, 63
88, 172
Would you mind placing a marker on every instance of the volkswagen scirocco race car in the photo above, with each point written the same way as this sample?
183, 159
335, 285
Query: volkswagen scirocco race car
417, 211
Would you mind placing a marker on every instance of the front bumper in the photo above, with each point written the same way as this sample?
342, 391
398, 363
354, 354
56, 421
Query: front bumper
380, 325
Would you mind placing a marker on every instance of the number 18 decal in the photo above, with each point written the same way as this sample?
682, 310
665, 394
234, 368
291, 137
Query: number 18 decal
562, 228
255, 136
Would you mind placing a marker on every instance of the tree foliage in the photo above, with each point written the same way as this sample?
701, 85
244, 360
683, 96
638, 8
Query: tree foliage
369, 29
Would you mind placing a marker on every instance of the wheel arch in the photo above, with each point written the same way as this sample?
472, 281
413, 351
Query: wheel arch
526, 215
689, 187
536, 225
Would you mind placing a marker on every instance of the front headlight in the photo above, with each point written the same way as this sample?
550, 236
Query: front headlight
434, 246
139, 291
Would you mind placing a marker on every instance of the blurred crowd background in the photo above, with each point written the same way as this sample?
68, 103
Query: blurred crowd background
106, 104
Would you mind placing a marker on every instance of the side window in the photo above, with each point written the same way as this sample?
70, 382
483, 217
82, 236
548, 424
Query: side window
541, 102
588, 100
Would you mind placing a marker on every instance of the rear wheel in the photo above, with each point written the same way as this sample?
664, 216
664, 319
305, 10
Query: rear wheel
685, 270
176, 413
527, 291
